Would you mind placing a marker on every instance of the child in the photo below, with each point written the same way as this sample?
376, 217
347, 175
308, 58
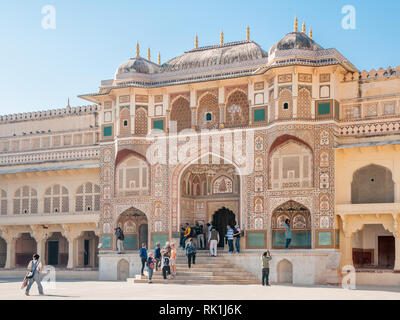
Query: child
166, 270
151, 264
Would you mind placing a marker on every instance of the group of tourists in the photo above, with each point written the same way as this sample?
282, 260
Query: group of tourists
163, 258
198, 234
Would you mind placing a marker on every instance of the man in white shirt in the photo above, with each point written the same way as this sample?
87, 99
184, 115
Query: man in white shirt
213, 240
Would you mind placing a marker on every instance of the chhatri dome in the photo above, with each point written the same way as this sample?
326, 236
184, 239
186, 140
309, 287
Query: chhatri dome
296, 40
138, 65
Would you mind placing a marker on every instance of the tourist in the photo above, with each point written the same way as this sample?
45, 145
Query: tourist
266, 257
200, 237
173, 260
182, 237
229, 238
213, 240
151, 264
157, 255
191, 252
33, 275
143, 256
167, 248
188, 232
288, 233
236, 235
119, 234
195, 234
209, 227
165, 266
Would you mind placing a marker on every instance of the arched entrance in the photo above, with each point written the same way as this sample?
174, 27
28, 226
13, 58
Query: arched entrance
221, 219
123, 270
3, 252
206, 186
25, 248
57, 250
134, 223
285, 271
300, 224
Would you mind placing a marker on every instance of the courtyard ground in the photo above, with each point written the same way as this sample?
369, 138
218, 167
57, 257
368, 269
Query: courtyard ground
101, 290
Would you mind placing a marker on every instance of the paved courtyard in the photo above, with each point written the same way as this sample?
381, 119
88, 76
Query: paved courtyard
93, 290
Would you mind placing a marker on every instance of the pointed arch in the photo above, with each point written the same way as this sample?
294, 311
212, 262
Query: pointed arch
181, 113
208, 111
237, 109
304, 100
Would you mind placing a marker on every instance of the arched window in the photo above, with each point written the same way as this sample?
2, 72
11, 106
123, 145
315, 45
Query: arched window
181, 113
285, 103
291, 166
132, 177
56, 199
208, 104
304, 104
372, 184
25, 201
141, 122
87, 198
3, 202
237, 109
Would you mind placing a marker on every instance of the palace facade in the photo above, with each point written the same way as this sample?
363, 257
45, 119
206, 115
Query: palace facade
224, 133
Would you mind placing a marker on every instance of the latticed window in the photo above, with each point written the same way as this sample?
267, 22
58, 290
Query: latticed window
25, 201
87, 198
291, 167
56, 199
132, 176
3, 202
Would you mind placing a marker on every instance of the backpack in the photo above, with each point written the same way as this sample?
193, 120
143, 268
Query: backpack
121, 237
166, 261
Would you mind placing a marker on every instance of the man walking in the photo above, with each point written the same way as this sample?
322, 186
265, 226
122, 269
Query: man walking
229, 238
213, 240
35, 266
119, 234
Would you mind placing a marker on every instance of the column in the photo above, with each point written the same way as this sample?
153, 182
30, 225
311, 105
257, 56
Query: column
348, 249
71, 233
40, 235
397, 251
10, 260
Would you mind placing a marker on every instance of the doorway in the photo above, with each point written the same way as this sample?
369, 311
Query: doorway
53, 253
386, 252
86, 253
143, 234
221, 219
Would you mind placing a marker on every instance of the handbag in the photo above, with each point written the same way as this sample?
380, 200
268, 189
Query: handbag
24, 283
31, 273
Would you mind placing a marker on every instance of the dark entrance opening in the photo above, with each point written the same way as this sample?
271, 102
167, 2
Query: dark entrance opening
86, 253
53, 253
386, 252
221, 219
143, 234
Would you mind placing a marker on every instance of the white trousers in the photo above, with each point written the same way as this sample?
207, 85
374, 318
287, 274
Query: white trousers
213, 247
120, 245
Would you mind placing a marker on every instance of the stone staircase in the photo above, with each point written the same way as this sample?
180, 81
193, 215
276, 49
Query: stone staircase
207, 270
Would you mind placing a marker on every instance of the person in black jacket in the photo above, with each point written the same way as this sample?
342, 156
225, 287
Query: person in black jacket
157, 255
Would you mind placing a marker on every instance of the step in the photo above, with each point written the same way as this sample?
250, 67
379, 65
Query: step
212, 282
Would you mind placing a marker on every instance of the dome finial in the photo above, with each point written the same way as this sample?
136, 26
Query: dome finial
137, 49
148, 54
222, 37
303, 28
310, 34
295, 24
247, 33
196, 41
159, 59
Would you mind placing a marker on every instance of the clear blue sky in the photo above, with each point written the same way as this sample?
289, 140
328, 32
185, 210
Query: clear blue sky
41, 68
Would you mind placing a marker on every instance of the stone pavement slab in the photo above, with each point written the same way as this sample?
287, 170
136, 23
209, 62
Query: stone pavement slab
103, 290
